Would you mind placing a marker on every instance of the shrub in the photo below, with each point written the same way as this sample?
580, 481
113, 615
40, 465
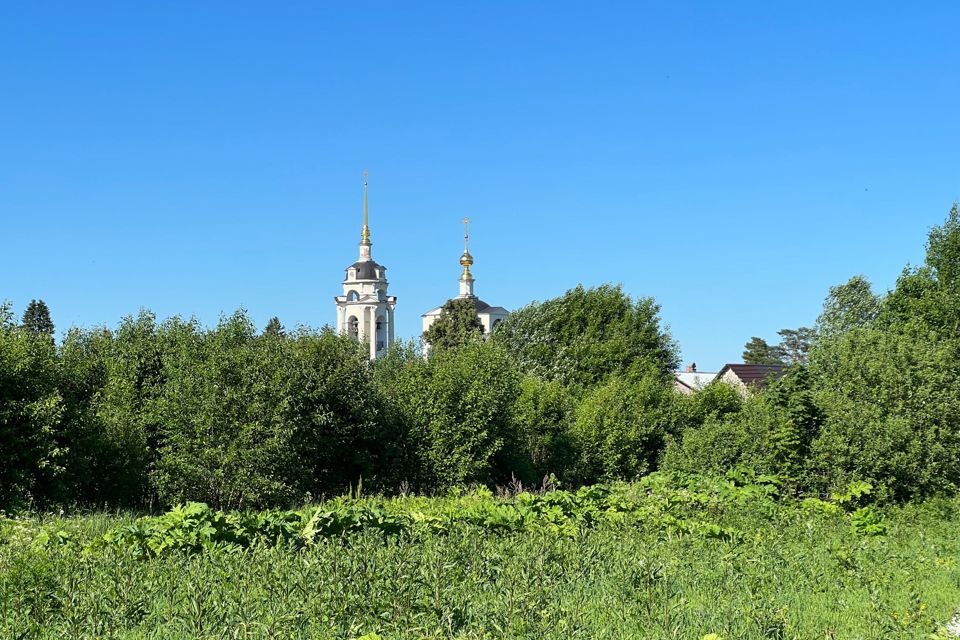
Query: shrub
456, 410
253, 421
543, 414
31, 409
621, 428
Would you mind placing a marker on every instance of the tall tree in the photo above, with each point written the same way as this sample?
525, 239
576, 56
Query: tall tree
457, 325
6, 314
586, 335
943, 250
758, 351
31, 410
274, 328
36, 318
851, 304
794, 347
890, 388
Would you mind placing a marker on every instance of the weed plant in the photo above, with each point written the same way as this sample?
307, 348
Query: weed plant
667, 557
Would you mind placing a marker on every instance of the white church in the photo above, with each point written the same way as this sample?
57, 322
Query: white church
365, 310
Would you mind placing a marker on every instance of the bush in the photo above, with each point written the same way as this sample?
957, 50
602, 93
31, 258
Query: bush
771, 434
31, 409
892, 399
456, 410
621, 428
253, 421
543, 415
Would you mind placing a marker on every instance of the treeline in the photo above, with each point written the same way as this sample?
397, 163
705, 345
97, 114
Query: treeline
579, 388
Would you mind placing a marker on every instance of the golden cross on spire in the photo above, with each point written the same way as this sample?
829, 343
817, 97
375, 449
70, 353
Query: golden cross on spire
466, 259
365, 231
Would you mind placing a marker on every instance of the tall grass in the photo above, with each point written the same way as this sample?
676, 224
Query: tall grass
791, 572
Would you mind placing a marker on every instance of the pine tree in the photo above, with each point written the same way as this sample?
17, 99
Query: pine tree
757, 351
274, 328
36, 318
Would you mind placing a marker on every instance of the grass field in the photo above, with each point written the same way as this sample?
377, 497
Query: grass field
657, 559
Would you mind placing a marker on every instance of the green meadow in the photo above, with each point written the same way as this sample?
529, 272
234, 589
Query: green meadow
670, 556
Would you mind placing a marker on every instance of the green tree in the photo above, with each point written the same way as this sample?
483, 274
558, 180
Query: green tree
849, 305
31, 410
125, 420
943, 250
929, 295
795, 344
455, 409
758, 351
251, 423
771, 433
587, 335
36, 318
892, 403
543, 414
274, 328
793, 348
621, 428
6, 314
457, 325
890, 387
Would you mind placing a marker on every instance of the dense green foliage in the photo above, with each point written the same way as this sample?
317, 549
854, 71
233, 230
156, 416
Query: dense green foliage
668, 557
274, 328
455, 408
759, 351
575, 390
586, 335
457, 325
793, 348
879, 400
30, 413
36, 318
260, 421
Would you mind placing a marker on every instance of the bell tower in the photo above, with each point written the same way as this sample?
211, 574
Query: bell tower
365, 311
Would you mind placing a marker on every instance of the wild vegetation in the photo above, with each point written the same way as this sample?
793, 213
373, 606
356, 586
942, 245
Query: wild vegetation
820, 506
668, 556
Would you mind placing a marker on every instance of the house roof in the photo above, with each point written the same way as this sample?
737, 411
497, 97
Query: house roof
695, 380
754, 374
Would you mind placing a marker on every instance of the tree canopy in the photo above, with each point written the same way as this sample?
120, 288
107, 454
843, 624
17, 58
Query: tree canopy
587, 335
457, 325
274, 328
36, 318
758, 351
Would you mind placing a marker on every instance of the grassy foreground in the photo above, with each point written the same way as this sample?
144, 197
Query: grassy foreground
662, 558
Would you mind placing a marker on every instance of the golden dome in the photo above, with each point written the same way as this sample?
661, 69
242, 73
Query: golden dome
466, 259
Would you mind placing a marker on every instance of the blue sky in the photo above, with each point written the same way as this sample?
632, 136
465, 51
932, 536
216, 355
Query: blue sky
733, 160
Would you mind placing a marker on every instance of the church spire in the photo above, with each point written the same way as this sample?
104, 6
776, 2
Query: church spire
466, 260
365, 231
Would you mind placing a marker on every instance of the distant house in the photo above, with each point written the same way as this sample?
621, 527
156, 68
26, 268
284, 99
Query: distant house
691, 380
750, 376
741, 376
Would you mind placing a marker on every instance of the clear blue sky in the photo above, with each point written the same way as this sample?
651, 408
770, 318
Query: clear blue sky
733, 160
